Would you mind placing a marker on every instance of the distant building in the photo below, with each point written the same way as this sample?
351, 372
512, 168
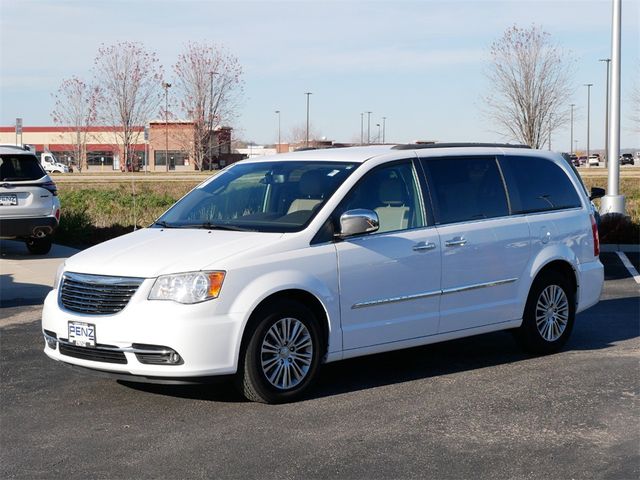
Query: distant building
171, 143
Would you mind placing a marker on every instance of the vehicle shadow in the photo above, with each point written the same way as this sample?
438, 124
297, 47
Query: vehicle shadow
598, 328
17, 250
18, 294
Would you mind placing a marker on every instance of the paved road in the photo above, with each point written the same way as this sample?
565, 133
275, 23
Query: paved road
471, 408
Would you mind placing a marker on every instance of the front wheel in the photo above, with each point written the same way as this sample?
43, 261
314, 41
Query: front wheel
39, 246
282, 354
549, 314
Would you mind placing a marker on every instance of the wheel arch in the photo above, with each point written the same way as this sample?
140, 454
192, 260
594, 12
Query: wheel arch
301, 296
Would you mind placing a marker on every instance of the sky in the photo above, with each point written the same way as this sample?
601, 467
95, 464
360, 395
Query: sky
421, 64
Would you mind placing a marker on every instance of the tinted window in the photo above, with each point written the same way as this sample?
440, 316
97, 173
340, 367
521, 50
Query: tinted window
537, 184
466, 189
20, 167
393, 193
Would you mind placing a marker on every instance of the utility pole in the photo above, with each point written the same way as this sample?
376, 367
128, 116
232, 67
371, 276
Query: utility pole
613, 202
307, 137
368, 127
211, 74
588, 85
166, 87
606, 112
278, 113
384, 121
362, 129
571, 146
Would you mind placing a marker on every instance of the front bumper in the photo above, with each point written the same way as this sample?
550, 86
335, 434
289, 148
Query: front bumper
206, 342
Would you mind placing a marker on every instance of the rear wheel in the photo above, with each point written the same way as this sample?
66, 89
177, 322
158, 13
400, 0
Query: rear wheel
39, 246
282, 354
549, 314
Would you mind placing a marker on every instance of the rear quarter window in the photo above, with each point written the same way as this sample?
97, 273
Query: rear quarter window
537, 184
20, 168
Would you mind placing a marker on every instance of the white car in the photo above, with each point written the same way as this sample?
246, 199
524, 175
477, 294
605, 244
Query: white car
594, 160
275, 266
29, 203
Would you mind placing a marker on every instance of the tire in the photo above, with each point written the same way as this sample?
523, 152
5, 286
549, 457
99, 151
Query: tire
266, 359
549, 314
39, 246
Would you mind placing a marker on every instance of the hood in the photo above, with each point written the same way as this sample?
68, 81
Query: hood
155, 251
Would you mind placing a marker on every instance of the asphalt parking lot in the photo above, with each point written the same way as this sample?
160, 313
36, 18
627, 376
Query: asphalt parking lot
471, 408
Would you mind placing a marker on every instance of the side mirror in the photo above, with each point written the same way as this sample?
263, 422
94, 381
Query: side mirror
597, 193
357, 222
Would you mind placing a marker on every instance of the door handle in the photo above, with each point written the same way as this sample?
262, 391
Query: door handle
422, 246
456, 242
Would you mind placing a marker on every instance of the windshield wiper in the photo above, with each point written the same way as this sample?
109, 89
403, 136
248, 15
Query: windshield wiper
218, 226
164, 224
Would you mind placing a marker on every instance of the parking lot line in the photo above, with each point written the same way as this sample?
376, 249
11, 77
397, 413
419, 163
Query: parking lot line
629, 266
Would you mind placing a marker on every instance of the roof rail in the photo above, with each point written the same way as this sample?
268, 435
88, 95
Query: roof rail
420, 146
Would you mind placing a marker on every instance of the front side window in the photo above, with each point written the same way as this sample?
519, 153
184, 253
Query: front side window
537, 185
262, 196
466, 189
393, 193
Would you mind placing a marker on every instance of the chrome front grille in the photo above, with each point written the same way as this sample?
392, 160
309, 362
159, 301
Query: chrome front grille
96, 294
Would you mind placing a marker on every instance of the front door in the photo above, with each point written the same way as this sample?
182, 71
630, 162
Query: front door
390, 279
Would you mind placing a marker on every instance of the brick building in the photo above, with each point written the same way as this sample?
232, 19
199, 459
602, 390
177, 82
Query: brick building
163, 143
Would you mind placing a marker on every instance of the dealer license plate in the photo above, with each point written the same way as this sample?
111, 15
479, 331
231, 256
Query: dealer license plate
82, 334
8, 199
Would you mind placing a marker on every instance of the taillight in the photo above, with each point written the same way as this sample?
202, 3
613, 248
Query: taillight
51, 187
596, 237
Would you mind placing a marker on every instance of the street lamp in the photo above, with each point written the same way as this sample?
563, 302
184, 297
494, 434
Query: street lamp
606, 112
308, 94
571, 144
361, 128
166, 87
378, 137
588, 85
211, 74
368, 127
384, 121
278, 113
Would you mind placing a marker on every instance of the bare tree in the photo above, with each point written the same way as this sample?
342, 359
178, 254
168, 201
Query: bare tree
75, 109
209, 82
129, 77
635, 107
531, 85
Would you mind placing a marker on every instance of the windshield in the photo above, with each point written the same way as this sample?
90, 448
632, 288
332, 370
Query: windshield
266, 197
19, 168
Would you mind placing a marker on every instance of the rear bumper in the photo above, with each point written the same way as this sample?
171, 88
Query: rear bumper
27, 227
591, 282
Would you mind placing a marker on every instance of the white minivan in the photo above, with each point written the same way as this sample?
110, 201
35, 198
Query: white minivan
274, 266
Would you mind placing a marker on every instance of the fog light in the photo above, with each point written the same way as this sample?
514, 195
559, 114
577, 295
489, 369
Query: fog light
174, 358
51, 339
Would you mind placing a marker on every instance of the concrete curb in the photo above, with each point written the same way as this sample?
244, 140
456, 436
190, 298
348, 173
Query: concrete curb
614, 247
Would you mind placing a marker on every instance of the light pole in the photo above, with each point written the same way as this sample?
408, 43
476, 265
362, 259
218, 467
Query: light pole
549, 132
368, 127
361, 128
307, 137
211, 74
606, 112
166, 87
588, 85
571, 144
378, 137
384, 125
613, 202
278, 113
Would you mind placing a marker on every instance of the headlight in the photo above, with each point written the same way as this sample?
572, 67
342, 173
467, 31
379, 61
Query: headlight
56, 279
192, 287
